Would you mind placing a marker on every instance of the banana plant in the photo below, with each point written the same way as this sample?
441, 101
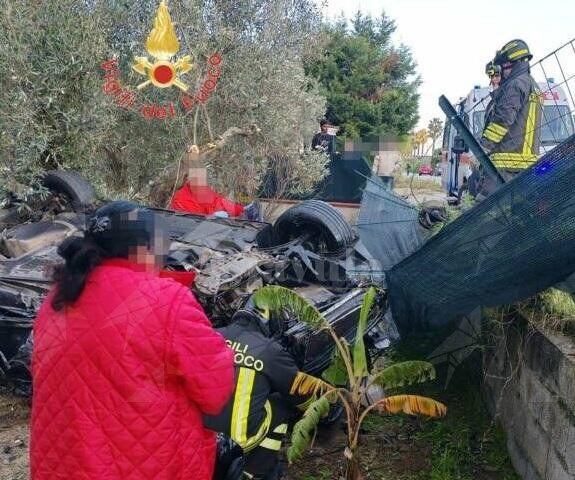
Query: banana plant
348, 380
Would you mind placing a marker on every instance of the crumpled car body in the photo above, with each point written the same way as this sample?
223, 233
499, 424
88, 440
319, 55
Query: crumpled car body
231, 259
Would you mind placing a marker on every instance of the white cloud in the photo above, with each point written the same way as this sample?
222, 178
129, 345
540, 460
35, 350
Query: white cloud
452, 40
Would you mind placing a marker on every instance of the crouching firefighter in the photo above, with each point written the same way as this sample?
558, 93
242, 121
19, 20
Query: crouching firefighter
512, 119
266, 392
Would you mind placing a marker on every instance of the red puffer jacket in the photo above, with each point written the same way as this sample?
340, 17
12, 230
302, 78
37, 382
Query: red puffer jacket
203, 201
121, 380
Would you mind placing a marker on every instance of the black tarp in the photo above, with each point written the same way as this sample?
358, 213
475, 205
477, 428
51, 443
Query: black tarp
388, 225
517, 242
344, 181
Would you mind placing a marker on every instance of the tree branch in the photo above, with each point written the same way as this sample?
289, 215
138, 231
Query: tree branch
169, 181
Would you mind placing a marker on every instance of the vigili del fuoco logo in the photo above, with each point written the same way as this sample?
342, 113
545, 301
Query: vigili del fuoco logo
163, 70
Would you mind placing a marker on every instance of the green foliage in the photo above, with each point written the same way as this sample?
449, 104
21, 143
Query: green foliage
558, 303
53, 111
56, 115
552, 310
349, 369
324, 474
405, 373
336, 373
279, 300
375, 423
369, 83
359, 357
304, 429
467, 444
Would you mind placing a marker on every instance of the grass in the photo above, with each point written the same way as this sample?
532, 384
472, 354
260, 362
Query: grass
552, 310
323, 475
466, 445
416, 183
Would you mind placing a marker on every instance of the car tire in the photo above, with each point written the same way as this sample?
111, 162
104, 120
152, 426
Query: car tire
71, 184
320, 217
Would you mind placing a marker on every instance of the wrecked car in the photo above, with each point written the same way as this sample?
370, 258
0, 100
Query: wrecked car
310, 248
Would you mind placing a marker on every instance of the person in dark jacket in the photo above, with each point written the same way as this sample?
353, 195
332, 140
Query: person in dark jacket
493, 71
512, 124
323, 141
266, 395
512, 119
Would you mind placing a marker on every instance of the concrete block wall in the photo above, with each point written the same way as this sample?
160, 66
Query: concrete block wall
529, 387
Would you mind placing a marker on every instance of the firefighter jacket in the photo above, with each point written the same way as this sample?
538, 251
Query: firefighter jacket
263, 367
512, 121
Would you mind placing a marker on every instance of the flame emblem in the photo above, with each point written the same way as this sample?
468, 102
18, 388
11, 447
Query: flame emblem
162, 44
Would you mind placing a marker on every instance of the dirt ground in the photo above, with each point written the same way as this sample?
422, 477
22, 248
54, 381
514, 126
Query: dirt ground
390, 454
14, 414
394, 448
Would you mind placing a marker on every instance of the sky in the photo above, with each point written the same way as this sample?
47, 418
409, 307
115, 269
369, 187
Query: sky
452, 40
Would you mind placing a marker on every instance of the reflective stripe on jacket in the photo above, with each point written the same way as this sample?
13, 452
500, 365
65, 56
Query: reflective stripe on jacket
263, 367
512, 125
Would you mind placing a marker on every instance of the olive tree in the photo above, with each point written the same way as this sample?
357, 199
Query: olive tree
56, 114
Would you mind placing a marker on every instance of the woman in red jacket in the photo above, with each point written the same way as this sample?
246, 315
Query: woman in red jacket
197, 197
125, 363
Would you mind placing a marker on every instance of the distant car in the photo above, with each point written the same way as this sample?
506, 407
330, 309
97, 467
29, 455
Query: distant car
425, 170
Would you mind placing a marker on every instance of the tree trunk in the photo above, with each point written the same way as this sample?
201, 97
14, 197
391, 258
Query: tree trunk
353, 468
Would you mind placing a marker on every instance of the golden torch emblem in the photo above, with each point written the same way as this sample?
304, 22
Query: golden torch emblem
162, 44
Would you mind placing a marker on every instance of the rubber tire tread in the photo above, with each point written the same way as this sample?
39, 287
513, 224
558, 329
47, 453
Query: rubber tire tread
319, 213
71, 184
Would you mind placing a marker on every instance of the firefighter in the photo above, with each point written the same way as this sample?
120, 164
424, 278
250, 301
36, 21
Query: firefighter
473, 184
512, 120
493, 71
476, 179
266, 396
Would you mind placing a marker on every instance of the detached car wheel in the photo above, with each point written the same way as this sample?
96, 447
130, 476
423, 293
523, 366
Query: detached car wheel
71, 184
321, 227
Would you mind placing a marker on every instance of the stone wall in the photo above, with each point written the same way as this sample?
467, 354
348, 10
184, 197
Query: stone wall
529, 388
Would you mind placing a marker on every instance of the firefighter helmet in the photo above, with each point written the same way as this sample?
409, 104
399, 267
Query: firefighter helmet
270, 325
491, 69
512, 52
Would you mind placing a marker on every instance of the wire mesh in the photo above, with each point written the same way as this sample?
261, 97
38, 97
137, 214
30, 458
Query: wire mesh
555, 78
514, 244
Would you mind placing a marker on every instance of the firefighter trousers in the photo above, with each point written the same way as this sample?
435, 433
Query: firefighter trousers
263, 460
